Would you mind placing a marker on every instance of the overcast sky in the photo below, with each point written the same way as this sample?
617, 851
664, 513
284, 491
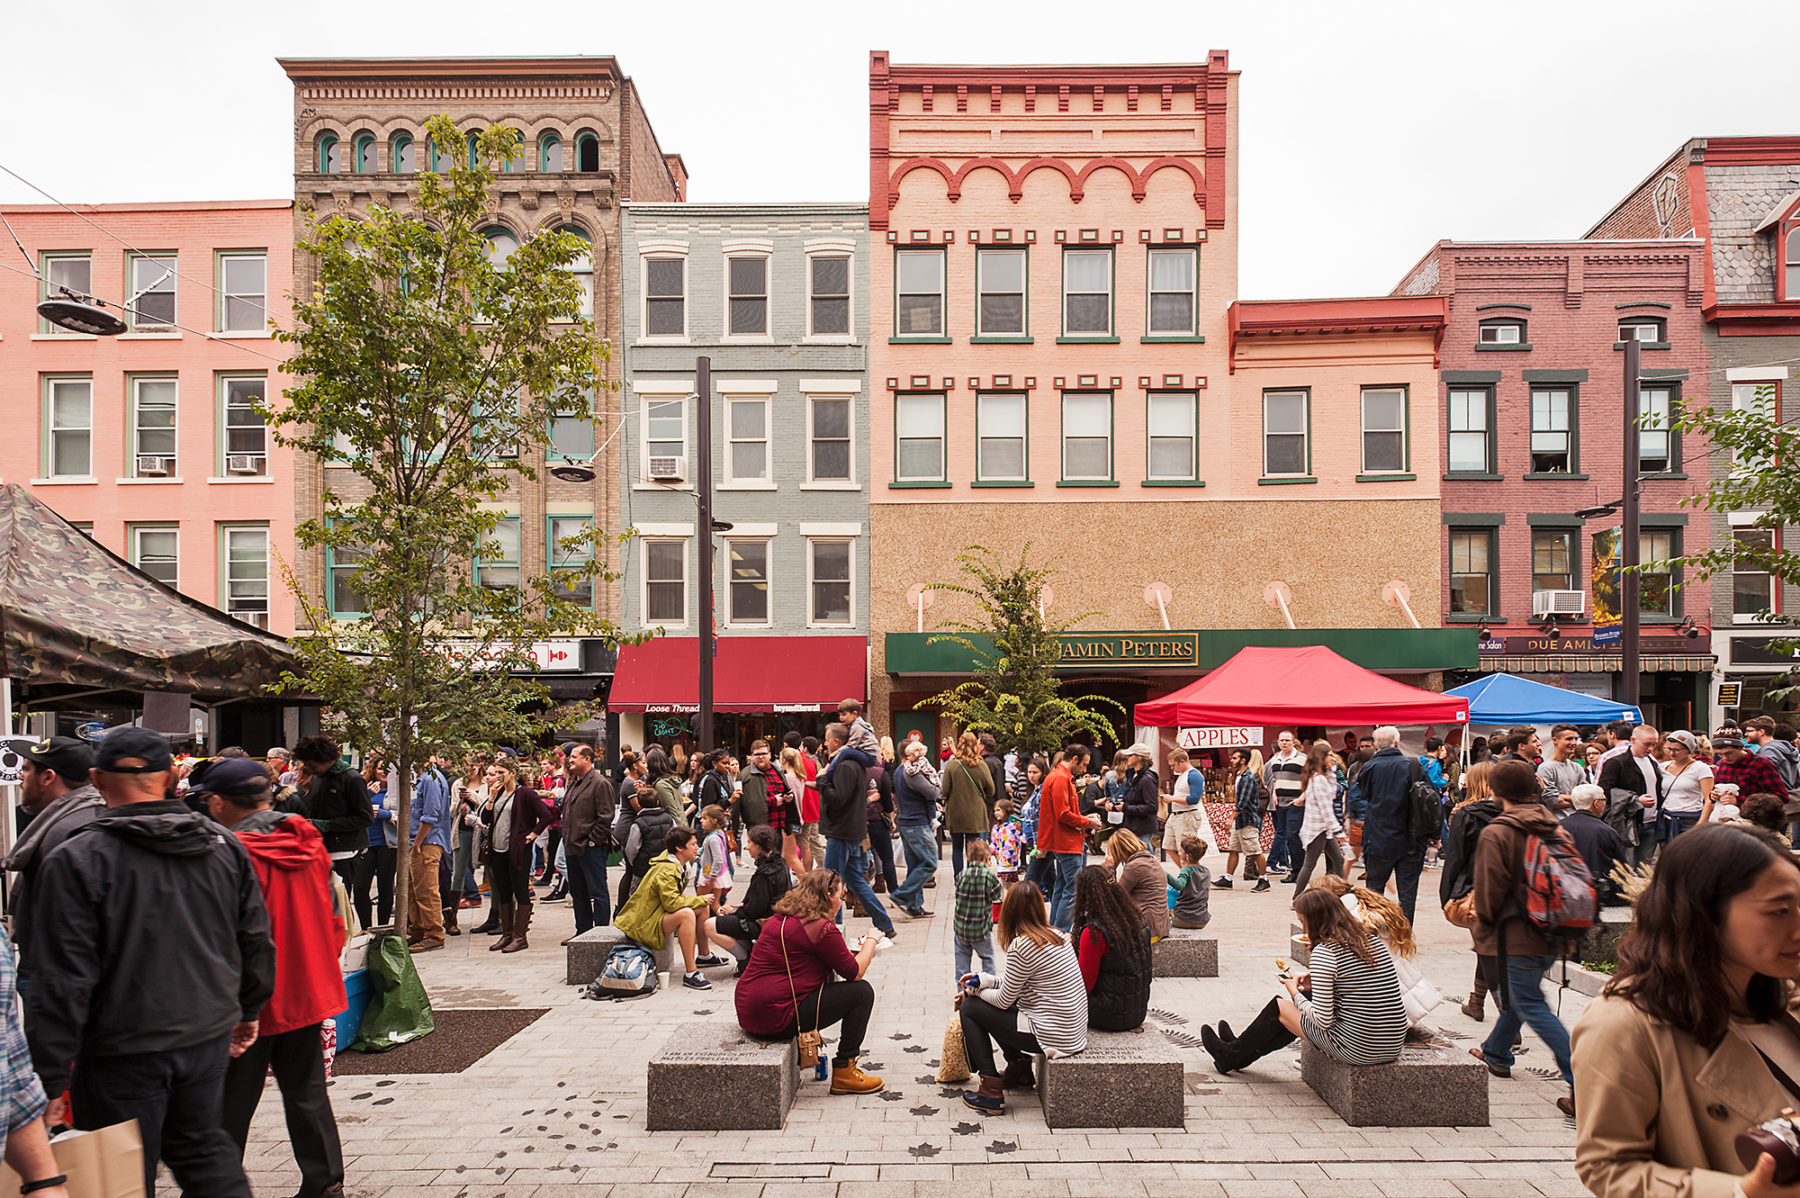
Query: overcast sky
1368, 131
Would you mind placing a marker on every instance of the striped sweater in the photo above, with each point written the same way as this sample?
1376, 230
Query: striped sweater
1046, 985
1355, 1012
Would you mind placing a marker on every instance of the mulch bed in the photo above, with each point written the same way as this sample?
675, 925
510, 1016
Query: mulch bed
461, 1039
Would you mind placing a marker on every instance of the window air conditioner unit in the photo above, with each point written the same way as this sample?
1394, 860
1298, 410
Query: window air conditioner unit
667, 470
243, 463
154, 467
1557, 603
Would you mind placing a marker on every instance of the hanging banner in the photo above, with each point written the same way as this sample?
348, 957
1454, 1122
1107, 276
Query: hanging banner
1608, 594
1219, 738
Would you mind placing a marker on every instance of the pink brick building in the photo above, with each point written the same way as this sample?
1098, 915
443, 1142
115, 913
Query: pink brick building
151, 441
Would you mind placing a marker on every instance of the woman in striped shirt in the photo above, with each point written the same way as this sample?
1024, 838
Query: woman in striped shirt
1320, 831
1040, 1004
1352, 1010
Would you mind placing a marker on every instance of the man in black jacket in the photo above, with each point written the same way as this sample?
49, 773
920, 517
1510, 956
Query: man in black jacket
1389, 847
844, 819
1599, 845
337, 802
1633, 783
151, 962
587, 836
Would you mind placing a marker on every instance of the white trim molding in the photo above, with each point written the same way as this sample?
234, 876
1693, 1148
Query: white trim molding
1756, 374
661, 530
831, 530
830, 386
662, 247
746, 386
663, 386
748, 245
750, 532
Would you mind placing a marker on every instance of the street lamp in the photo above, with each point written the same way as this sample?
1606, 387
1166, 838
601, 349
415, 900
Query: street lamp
79, 313
1627, 506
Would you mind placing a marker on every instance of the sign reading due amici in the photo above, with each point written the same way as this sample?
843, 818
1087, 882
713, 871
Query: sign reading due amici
1110, 650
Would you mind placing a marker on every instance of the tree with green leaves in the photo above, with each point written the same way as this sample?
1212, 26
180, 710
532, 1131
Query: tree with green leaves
432, 367
1756, 449
1014, 693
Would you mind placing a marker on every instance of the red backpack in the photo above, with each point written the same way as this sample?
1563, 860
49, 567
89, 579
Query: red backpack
1559, 893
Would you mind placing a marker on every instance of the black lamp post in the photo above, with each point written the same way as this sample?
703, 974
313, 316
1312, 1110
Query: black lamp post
1629, 549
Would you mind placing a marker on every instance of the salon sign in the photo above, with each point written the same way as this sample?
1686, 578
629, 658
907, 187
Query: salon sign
1219, 738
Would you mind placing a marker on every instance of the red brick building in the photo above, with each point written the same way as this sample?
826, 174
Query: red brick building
1532, 393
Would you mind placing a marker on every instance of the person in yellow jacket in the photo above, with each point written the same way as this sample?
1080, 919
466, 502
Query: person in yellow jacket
658, 907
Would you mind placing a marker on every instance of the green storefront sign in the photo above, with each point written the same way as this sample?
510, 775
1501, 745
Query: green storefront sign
1190, 651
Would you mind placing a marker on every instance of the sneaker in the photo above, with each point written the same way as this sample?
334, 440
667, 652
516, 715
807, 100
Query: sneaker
711, 959
918, 913
1221, 883
1262, 884
696, 980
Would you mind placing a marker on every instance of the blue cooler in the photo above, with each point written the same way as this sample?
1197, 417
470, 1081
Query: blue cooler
358, 987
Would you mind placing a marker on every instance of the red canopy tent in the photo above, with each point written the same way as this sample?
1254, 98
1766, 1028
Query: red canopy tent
1310, 685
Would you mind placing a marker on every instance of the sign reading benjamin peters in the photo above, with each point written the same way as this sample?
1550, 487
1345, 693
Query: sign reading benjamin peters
1113, 650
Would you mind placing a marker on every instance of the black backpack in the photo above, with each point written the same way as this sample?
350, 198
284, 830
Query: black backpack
1424, 806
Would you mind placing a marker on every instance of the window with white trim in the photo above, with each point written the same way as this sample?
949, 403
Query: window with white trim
243, 293
919, 293
1760, 399
828, 295
1656, 436
746, 438
1087, 436
747, 582
1285, 434
70, 428
1000, 302
1657, 550
1755, 593
1000, 438
246, 578
1643, 328
500, 568
152, 428
665, 582
665, 434
1383, 430
1174, 278
665, 297
571, 551
919, 437
747, 300
1553, 559
153, 282
1473, 585
828, 572
1552, 430
156, 550
65, 275
1087, 293
828, 432
572, 427
1173, 436
1501, 332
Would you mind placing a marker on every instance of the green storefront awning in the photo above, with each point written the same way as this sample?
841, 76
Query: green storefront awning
1190, 651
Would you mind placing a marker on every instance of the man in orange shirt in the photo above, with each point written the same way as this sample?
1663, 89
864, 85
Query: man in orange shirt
1062, 832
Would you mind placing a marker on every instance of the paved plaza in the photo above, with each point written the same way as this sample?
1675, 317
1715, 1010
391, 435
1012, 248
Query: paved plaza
559, 1108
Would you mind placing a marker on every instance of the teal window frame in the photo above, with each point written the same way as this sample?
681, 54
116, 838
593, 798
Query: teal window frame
223, 420
941, 332
982, 477
51, 384
230, 577
1151, 332
399, 148
1110, 478
441, 159
1306, 459
546, 142
362, 154
1110, 333
336, 566
582, 270
325, 149
507, 449
479, 564
920, 400
581, 412
1151, 478
561, 559
1021, 336
134, 426
587, 140
1405, 431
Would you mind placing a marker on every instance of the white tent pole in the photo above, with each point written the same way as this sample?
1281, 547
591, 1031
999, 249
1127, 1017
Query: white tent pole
12, 792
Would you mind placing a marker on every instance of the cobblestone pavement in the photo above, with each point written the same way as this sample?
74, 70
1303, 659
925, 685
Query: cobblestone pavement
559, 1109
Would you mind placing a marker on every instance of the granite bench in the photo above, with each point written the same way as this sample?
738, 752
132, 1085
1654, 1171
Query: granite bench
1300, 951
587, 953
1185, 953
1122, 1079
1429, 1086
713, 1077
1601, 942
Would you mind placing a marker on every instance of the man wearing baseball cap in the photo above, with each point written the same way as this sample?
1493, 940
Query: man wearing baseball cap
1750, 772
294, 870
151, 962
61, 800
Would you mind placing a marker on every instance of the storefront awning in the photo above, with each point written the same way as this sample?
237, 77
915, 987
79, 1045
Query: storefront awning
750, 674
1597, 663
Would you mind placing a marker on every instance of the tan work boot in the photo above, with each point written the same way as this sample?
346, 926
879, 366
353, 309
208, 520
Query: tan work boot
506, 928
848, 1079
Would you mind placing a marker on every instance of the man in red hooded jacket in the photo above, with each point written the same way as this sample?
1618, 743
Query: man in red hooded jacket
294, 870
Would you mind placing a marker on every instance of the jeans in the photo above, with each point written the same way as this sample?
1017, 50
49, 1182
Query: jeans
982, 1020
375, 866
957, 841
1278, 847
1064, 867
919, 845
845, 857
1525, 1004
1404, 869
1674, 825
1288, 829
851, 1002
1038, 872
968, 949
300, 1073
587, 889
462, 864
177, 1097
881, 846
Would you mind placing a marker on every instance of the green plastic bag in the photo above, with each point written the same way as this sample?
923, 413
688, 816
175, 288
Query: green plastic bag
399, 1010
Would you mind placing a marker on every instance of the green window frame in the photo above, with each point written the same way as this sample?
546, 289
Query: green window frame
68, 424
152, 280
1659, 443
1287, 433
1087, 438
362, 154
550, 153
504, 569
1002, 293
60, 272
587, 152
243, 433
244, 572
566, 560
1003, 438
154, 547
571, 432
328, 158
1469, 419
919, 292
1087, 294
1474, 572
1555, 429
342, 600
152, 424
1171, 437
472, 140
403, 156
1172, 299
243, 291
919, 426
581, 269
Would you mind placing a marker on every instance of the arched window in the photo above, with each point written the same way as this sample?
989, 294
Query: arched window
442, 157
402, 159
582, 268
517, 162
501, 245
587, 152
331, 161
362, 155
474, 142
550, 155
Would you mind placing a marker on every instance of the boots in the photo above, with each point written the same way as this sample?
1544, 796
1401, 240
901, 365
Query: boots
990, 1099
491, 925
504, 917
1476, 1007
1264, 1035
450, 925
848, 1079
521, 925
1018, 1075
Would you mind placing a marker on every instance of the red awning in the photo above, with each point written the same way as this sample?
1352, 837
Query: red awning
1311, 685
750, 674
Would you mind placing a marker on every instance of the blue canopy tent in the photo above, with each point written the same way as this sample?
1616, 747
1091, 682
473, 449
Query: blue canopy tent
1503, 699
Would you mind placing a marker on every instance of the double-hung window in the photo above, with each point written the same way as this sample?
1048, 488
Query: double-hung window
342, 562
1087, 436
828, 570
156, 550
1383, 430
665, 297
1471, 432
500, 569
1656, 436
572, 427
665, 582
1472, 581
1657, 550
747, 438
1173, 436
919, 437
1087, 293
665, 438
243, 293
919, 293
828, 455
66, 275
747, 583
828, 295
1286, 422
1000, 306
153, 427
1000, 438
571, 550
246, 572
1760, 401
1552, 430
1753, 588
153, 283
747, 303
581, 269
1552, 559
1173, 279
70, 428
